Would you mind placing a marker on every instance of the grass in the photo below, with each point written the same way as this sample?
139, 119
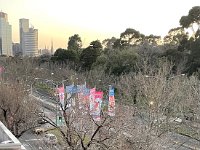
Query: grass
182, 129
57, 133
45, 88
187, 131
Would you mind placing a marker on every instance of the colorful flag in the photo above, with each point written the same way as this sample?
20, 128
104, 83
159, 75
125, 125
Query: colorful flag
71, 89
69, 100
91, 99
80, 100
111, 102
80, 89
97, 106
61, 93
1, 69
86, 95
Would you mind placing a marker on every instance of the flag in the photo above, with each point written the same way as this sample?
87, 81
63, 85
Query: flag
91, 99
111, 102
97, 106
1, 69
61, 93
80, 89
69, 100
71, 89
86, 95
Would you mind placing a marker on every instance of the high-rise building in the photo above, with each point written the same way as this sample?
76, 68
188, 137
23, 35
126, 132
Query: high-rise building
28, 38
5, 35
16, 49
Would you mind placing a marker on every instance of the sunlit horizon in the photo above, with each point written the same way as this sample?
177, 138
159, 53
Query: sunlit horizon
58, 20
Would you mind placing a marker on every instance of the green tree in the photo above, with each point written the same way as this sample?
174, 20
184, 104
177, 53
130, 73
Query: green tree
90, 54
193, 64
122, 62
108, 43
63, 55
131, 37
176, 38
117, 62
117, 44
153, 39
192, 18
96, 45
75, 43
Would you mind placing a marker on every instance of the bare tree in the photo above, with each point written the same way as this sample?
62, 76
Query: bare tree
162, 99
17, 110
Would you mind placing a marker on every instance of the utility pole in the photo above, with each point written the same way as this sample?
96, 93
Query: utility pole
57, 96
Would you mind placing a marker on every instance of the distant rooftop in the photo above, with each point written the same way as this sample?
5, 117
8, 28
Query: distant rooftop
3, 15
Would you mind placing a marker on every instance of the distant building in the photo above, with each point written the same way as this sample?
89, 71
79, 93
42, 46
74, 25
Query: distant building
5, 35
45, 51
16, 49
28, 38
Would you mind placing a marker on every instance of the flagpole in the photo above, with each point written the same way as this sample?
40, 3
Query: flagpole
56, 106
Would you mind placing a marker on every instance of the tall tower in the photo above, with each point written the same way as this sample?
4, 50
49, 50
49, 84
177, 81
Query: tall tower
5, 35
52, 50
28, 38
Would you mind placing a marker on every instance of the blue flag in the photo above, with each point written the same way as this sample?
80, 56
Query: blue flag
111, 91
71, 89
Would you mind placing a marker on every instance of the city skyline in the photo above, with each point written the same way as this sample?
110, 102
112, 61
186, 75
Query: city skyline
58, 20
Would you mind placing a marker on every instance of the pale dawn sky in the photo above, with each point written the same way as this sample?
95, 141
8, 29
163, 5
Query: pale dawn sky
94, 19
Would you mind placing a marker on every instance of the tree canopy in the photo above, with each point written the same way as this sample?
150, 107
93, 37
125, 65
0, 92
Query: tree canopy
74, 43
90, 54
192, 18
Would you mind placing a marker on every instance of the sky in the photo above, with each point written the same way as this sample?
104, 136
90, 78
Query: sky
57, 20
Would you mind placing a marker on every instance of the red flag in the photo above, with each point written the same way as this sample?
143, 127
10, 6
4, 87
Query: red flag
111, 103
91, 98
61, 93
1, 69
97, 105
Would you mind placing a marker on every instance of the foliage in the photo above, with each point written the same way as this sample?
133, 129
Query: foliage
194, 62
131, 37
122, 62
192, 18
90, 54
63, 55
174, 56
175, 37
75, 44
45, 58
108, 43
153, 39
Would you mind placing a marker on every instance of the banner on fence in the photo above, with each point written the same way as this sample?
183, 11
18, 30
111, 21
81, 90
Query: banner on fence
111, 102
97, 106
80, 89
61, 93
91, 99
